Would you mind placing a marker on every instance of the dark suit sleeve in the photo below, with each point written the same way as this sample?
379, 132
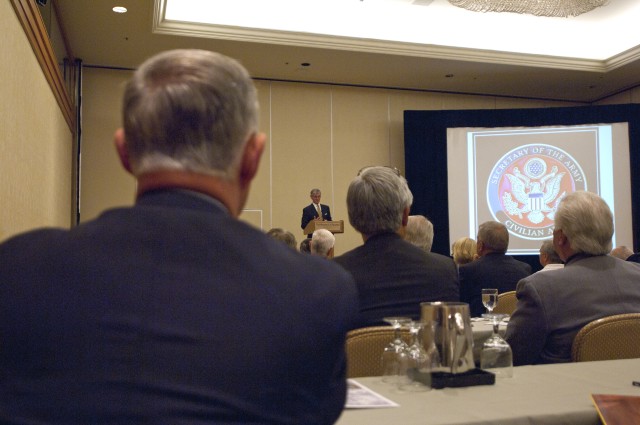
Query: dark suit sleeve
527, 330
307, 216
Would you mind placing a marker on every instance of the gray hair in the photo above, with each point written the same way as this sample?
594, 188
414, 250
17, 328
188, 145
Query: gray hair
315, 191
322, 241
419, 232
494, 236
587, 222
191, 110
283, 236
548, 249
376, 199
622, 252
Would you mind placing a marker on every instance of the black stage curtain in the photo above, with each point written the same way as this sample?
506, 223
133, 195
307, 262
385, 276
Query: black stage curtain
425, 145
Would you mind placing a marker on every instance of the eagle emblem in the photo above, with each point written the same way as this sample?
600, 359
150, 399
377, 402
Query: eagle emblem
536, 192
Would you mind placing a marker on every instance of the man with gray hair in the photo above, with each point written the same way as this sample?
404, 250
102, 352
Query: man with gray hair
315, 210
393, 276
549, 259
419, 231
622, 252
322, 243
493, 268
552, 307
173, 311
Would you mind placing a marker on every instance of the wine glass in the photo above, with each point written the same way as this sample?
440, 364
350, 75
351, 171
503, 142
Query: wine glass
391, 355
496, 355
489, 300
416, 363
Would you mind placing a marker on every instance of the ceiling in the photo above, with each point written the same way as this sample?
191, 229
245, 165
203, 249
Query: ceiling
102, 38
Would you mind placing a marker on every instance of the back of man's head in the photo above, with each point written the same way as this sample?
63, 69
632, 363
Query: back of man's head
622, 252
586, 221
284, 236
305, 245
419, 232
322, 242
493, 237
376, 200
189, 110
548, 254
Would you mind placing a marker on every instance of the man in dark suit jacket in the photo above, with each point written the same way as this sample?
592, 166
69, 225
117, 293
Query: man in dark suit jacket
315, 210
553, 306
493, 269
392, 275
162, 313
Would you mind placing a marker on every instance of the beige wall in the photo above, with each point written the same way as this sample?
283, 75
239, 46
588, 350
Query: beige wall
35, 141
318, 136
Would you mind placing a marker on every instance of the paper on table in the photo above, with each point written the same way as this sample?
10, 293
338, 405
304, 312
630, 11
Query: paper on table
361, 397
617, 409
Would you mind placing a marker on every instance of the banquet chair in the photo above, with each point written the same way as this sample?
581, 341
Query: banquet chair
610, 338
364, 348
506, 303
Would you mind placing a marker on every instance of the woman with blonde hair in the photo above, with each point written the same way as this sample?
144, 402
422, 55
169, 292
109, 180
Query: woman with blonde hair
463, 250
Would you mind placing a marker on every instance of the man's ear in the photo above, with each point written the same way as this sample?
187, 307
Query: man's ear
120, 142
405, 217
251, 157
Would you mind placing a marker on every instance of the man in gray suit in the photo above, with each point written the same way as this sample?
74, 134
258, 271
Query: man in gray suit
553, 306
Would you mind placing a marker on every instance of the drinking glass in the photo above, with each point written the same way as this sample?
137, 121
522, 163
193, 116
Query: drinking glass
496, 355
416, 363
489, 300
391, 355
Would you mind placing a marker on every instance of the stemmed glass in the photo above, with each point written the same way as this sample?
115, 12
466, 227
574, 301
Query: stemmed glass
391, 355
416, 360
496, 355
490, 301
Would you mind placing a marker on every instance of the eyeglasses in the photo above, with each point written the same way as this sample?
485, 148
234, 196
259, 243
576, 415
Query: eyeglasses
394, 169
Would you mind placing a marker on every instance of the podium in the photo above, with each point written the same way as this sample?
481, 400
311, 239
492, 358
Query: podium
332, 226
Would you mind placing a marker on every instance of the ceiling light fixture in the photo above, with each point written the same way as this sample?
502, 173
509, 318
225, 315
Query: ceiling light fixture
549, 8
120, 9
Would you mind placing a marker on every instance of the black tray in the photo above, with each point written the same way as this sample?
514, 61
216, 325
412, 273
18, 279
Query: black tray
470, 378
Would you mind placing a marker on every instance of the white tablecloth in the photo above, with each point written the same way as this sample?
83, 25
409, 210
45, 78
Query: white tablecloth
536, 395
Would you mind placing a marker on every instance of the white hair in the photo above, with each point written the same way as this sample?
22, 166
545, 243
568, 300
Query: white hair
322, 241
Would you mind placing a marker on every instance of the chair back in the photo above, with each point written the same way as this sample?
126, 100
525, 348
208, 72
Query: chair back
364, 348
506, 303
610, 338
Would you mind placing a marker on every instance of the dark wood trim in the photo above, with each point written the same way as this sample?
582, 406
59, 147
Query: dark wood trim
35, 30
63, 34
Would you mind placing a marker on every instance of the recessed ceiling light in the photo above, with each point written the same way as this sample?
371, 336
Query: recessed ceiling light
120, 9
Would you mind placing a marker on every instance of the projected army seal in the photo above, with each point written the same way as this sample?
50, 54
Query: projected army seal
526, 185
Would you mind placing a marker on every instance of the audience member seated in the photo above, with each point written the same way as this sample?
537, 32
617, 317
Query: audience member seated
493, 268
393, 276
464, 251
322, 243
622, 252
419, 232
549, 259
283, 236
634, 258
553, 307
173, 311
305, 246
